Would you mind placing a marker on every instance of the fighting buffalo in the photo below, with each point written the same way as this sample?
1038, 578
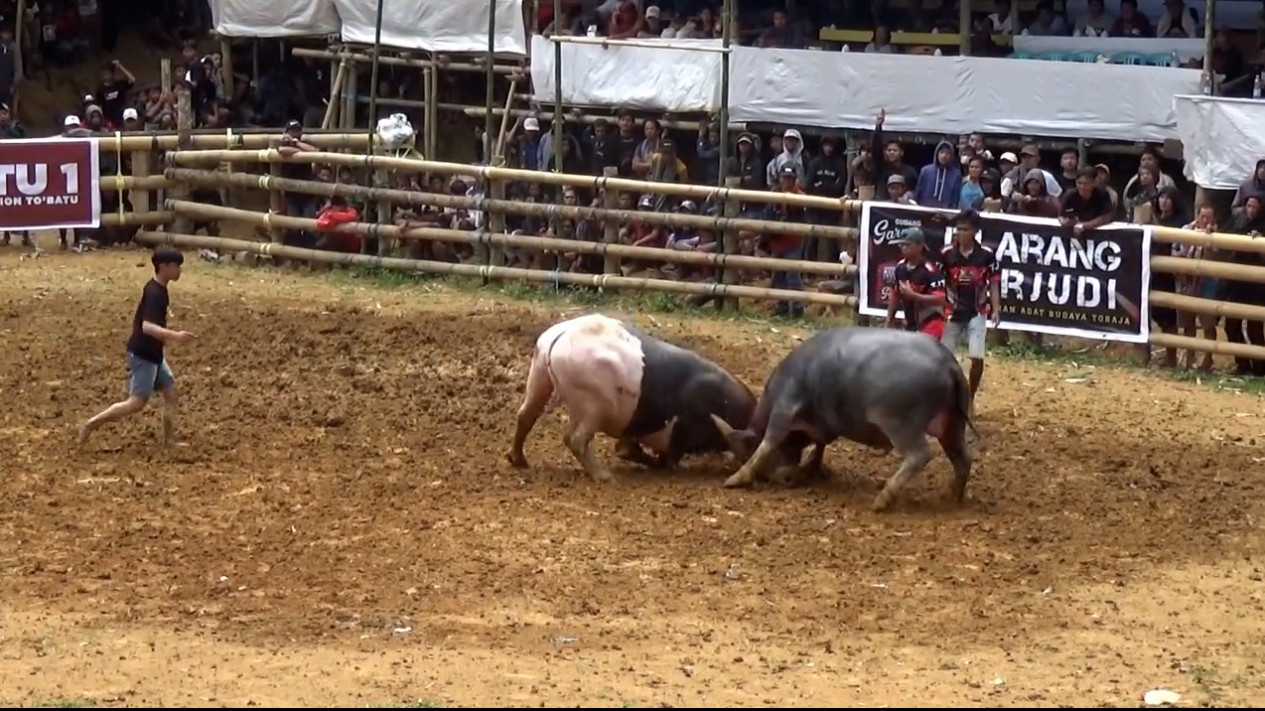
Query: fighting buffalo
616, 380
883, 388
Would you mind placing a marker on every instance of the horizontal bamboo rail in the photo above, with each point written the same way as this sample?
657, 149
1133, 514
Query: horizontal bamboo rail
1211, 307
439, 234
1209, 268
601, 281
1203, 345
411, 62
413, 165
232, 139
136, 219
543, 210
133, 182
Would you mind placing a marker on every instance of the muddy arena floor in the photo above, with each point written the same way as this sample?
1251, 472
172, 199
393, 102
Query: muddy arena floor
339, 526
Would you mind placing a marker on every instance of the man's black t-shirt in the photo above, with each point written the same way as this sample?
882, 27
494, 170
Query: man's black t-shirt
152, 308
1085, 209
923, 278
112, 98
969, 275
626, 148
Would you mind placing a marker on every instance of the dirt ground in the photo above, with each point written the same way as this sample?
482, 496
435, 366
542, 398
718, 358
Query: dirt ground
339, 526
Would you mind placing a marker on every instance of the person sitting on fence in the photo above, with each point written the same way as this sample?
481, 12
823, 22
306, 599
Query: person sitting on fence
786, 246
1250, 222
1197, 286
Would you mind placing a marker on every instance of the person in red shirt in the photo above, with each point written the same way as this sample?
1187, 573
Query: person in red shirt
919, 287
973, 281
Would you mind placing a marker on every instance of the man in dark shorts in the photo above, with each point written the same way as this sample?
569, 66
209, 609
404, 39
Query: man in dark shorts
918, 287
147, 370
973, 287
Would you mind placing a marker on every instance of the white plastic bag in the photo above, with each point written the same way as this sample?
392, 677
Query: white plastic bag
395, 132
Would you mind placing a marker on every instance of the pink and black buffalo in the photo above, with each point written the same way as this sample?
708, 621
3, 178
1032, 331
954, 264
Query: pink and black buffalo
616, 380
884, 388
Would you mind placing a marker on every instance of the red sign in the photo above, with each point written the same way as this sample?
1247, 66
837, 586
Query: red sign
47, 183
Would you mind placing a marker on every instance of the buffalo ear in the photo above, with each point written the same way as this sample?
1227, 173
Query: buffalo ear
741, 442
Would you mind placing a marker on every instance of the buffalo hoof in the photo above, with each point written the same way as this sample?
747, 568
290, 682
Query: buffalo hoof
737, 480
516, 460
882, 501
603, 476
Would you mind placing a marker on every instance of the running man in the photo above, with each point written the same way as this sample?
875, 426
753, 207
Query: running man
918, 287
147, 370
973, 282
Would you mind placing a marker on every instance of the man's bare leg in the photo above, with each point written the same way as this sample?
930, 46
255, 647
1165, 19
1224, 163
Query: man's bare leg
117, 411
170, 403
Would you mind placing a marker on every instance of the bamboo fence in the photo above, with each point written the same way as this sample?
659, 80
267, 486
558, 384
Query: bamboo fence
438, 234
600, 281
542, 210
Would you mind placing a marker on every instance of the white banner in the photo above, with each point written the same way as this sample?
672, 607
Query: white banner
294, 18
929, 94
452, 26
647, 78
1221, 139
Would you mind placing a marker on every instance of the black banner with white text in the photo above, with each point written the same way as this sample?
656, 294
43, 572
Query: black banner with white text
1093, 286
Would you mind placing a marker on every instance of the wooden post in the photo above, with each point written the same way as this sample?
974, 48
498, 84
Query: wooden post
495, 222
611, 233
184, 127
226, 64
276, 204
335, 89
730, 244
348, 118
140, 169
165, 69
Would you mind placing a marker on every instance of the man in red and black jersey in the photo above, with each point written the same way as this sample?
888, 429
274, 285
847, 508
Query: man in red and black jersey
973, 288
919, 287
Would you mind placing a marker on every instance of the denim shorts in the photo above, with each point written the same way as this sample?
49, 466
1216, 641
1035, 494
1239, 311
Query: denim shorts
145, 378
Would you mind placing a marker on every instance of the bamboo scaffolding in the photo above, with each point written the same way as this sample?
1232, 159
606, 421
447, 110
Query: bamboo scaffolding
413, 63
717, 224
595, 183
1216, 240
1209, 268
136, 219
437, 234
335, 89
601, 281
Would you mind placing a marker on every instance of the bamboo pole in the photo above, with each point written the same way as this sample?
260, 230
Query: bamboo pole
116, 183
601, 281
1211, 307
436, 234
136, 219
1203, 345
716, 224
498, 155
335, 88
474, 67
590, 182
1215, 240
1207, 268
220, 139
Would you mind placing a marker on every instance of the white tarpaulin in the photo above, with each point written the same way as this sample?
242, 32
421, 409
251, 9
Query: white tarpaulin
454, 26
435, 25
293, 18
658, 79
929, 94
1221, 139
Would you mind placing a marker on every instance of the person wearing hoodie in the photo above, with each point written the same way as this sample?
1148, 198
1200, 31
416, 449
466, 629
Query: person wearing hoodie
745, 166
1250, 222
707, 153
891, 162
792, 155
1253, 186
1032, 199
827, 177
940, 183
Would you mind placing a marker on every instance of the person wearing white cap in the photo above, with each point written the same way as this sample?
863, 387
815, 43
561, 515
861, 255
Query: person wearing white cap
131, 119
654, 23
792, 155
529, 144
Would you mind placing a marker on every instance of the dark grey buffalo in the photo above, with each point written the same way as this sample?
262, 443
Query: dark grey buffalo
880, 387
617, 380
